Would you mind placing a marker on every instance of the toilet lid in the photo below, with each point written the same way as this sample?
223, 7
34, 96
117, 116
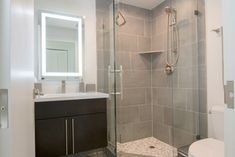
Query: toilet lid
207, 148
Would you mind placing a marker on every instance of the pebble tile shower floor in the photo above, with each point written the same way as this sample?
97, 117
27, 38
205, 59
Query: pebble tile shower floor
147, 147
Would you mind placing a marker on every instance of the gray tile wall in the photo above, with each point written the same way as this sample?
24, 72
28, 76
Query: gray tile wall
171, 108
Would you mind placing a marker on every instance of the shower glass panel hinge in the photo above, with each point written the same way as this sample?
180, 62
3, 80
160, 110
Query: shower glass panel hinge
115, 93
3, 108
120, 72
115, 71
196, 12
229, 94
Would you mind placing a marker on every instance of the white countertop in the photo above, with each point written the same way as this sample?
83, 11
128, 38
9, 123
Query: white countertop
70, 96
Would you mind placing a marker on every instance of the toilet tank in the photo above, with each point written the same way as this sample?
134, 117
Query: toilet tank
216, 122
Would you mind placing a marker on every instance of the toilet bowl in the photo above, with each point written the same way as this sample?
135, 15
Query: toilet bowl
207, 148
213, 146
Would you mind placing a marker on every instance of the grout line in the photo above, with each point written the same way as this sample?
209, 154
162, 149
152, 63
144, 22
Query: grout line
151, 87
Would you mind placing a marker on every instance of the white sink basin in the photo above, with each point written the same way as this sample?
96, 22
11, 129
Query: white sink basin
70, 96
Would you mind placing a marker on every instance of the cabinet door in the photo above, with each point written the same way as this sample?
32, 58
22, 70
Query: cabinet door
51, 137
89, 132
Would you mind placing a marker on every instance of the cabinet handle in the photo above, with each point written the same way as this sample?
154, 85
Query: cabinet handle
73, 140
66, 137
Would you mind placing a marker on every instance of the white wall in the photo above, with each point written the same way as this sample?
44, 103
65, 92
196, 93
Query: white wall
215, 93
214, 53
19, 140
85, 8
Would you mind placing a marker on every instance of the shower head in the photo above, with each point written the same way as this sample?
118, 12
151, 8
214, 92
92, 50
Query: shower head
120, 19
169, 10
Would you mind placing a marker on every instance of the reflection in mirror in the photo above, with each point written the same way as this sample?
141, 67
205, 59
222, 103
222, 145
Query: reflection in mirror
62, 45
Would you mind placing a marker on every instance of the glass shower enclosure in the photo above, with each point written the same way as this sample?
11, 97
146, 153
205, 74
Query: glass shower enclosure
151, 60
160, 48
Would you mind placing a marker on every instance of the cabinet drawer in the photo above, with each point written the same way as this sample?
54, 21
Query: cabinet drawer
54, 109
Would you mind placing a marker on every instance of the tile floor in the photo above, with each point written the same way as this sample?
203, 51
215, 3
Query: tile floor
147, 147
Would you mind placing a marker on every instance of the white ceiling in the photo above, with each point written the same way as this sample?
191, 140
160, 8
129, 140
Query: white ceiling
147, 4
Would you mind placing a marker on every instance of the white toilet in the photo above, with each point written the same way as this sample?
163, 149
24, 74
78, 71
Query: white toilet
213, 146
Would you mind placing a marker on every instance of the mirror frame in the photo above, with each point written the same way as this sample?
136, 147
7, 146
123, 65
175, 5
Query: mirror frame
80, 48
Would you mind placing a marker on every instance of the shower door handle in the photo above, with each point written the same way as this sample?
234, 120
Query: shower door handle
4, 109
120, 72
121, 81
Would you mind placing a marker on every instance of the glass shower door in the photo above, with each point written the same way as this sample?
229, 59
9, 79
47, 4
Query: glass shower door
107, 72
189, 110
142, 127
162, 53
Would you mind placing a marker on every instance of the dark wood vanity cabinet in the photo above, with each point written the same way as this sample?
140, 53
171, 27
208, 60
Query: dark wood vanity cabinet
69, 127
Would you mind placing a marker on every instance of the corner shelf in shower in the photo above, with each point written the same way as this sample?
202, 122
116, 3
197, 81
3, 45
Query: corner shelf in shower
151, 52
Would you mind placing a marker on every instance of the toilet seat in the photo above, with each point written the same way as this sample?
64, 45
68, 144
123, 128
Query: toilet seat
207, 148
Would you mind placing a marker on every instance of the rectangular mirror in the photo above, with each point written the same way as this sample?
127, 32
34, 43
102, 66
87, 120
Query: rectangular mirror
61, 45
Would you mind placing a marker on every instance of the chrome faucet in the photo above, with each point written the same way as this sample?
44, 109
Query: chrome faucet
63, 86
37, 93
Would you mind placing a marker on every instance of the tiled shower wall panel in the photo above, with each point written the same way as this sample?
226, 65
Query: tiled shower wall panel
179, 100
134, 111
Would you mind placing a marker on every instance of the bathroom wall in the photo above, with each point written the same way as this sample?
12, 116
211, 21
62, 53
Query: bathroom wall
215, 74
179, 100
79, 8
